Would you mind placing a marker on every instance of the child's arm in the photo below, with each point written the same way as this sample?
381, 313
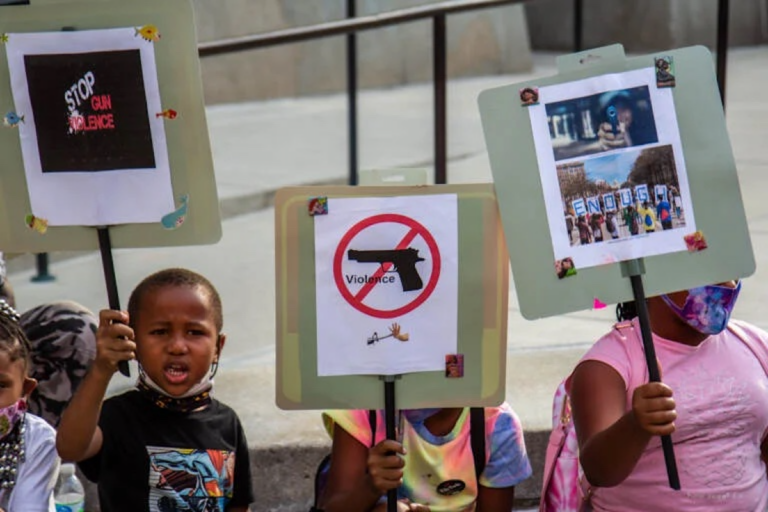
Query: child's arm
495, 499
357, 478
79, 437
612, 440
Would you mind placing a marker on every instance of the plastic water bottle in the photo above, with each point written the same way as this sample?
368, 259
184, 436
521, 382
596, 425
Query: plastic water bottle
69, 494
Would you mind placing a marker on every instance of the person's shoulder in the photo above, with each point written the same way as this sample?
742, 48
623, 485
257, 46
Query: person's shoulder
356, 422
40, 437
617, 348
39, 428
617, 336
130, 398
219, 408
224, 414
750, 330
502, 417
125, 407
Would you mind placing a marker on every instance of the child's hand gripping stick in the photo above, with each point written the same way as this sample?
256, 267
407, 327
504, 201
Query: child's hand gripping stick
122, 366
114, 344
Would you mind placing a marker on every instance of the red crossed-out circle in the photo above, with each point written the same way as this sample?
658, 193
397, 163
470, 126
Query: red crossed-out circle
356, 301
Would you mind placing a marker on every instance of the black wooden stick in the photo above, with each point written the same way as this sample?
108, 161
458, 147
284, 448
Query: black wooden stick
105, 246
653, 371
389, 421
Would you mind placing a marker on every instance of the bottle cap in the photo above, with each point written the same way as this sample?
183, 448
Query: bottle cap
67, 469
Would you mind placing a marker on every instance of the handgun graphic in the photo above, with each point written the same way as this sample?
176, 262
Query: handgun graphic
613, 119
404, 261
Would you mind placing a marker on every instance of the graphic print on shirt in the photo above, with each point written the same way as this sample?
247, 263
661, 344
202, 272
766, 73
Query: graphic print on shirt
722, 432
190, 480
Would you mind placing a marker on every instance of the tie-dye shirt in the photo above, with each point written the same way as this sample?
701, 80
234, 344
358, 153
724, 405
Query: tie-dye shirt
434, 460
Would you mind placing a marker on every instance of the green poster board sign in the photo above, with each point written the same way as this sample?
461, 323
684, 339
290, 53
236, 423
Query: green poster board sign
185, 139
481, 317
539, 151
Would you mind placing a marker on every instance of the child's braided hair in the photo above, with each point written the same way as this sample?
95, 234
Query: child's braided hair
12, 338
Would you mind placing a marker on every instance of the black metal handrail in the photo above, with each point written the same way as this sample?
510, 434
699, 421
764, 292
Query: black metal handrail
349, 27
723, 9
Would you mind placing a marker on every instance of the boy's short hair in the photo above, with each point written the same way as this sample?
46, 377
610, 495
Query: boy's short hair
175, 277
13, 340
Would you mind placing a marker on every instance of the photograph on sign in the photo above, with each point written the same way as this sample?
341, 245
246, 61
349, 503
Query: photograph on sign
92, 135
612, 168
601, 122
386, 284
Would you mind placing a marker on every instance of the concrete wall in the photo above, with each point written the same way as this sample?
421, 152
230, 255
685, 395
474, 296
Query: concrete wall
483, 42
642, 25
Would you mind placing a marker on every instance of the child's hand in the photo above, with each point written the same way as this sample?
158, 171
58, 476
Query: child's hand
114, 341
402, 506
407, 506
385, 466
654, 408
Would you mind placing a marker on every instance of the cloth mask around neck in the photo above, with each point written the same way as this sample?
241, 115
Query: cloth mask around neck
204, 385
10, 416
707, 309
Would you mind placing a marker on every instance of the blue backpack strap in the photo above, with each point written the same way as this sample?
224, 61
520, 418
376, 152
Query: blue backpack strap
477, 438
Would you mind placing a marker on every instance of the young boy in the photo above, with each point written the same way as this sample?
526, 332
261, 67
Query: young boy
166, 445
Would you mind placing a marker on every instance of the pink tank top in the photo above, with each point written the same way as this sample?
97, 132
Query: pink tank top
721, 391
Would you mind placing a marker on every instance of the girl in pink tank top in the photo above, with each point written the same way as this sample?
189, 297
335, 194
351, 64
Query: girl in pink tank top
713, 402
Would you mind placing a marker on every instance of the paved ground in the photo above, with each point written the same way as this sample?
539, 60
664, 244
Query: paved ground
261, 147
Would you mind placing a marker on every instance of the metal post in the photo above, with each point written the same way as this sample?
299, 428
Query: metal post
41, 263
439, 77
578, 13
722, 45
352, 95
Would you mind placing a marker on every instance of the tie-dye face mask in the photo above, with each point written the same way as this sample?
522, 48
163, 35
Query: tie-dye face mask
707, 308
10, 416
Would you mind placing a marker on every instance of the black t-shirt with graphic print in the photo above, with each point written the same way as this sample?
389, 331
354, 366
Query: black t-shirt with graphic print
164, 461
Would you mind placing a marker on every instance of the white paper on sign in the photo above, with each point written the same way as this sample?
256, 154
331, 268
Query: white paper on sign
386, 280
605, 141
93, 145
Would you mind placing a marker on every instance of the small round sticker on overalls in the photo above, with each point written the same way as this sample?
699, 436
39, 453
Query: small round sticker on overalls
451, 487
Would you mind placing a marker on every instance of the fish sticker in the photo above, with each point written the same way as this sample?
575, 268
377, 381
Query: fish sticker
12, 119
4, 38
168, 113
176, 218
149, 33
598, 304
36, 223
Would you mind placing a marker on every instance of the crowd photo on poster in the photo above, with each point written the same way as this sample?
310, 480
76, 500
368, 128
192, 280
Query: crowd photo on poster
619, 196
